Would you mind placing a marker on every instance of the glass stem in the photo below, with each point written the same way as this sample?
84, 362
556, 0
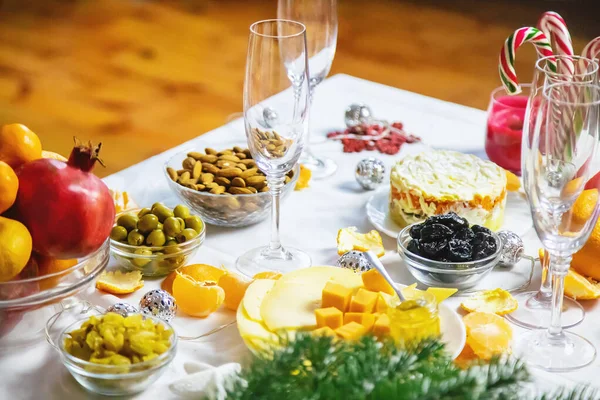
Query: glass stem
546, 287
275, 183
559, 269
311, 94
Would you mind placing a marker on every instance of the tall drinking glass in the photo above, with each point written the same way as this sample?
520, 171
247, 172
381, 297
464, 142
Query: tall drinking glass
561, 159
535, 306
276, 79
320, 19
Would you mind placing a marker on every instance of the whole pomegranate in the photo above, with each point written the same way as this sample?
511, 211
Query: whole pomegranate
67, 209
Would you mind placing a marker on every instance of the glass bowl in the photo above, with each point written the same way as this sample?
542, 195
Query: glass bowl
115, 380
162, 261
231, 211
459, 275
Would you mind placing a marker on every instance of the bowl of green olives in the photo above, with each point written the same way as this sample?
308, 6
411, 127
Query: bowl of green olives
156, 240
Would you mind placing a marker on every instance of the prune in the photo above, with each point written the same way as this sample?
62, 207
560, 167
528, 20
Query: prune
434, 250
413, 246
435, 232
415, 231
459, 250
484, 245
451, 220
465, 234
479, 228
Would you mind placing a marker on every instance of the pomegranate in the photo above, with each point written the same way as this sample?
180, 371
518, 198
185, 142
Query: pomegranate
67, 209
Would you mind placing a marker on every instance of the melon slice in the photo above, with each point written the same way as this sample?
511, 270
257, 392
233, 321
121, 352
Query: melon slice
255, 331
292, 301
253, 298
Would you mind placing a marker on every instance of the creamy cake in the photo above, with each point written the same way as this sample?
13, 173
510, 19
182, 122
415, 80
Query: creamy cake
437, 182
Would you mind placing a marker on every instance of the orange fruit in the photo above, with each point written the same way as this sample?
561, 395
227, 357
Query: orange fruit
304, 178
577, 286
350, 239
9, 185
118, 282
497, 301
466, 357
235, 287
587, 260
203, 272
197, 298
167, 283
268, 275
18, 145
513, 183
487, 334
49, 265
15, 248
53, 155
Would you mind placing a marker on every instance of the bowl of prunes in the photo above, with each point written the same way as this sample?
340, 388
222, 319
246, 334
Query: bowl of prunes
445, 251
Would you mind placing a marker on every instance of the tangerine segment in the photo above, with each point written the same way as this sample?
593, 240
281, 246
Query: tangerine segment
268, 275
579, 287
202, 272
119, 282
487, 334
235, 287
197, 299
497, 301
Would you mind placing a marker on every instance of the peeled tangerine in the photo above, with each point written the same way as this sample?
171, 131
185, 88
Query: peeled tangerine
197, 298
198, 272
235, 287
15, 248
487, 334
349, 239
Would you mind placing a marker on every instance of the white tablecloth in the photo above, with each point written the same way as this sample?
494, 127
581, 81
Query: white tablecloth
310, 220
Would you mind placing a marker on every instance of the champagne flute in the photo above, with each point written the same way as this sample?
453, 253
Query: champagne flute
535, 306
564, 143
276, 79
320, 19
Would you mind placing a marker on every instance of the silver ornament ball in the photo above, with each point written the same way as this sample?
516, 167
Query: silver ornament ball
512, 248
357, 114
270, 117
354, 260
158, 303
370, 173
123, 309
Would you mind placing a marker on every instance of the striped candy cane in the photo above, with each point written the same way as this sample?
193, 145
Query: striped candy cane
555, 29
506, 67
592, 50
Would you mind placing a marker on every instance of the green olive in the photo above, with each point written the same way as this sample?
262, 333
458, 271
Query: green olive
141, 262
186, 234
144, 211
162, 212
155, 238
181, 211
147, 223
135, 238
118, 233
169, 239
181, 222
195, 223
127, 221
157, 204
172, 226
160, 226
171, 249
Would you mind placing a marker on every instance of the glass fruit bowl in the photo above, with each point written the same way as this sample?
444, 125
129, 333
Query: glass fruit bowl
108, 380
459, 275
162, 259
231, 210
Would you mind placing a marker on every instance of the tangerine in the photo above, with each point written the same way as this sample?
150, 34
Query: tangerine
487, 334
49, 265
586, 261
167, 283
9, 186
18, 145
15, 248
235, 287
203, 272
197, 298
53, 155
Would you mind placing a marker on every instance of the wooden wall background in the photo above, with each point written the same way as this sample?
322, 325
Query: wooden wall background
143, 76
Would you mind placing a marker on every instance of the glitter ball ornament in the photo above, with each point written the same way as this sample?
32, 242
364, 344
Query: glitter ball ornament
123, 309
357, 114
354, 260
370, 173
512, 248
158, 303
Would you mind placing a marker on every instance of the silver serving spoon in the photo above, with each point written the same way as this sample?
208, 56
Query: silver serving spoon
374, 260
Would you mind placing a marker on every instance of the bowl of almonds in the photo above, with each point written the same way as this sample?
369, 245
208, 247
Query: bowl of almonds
225, 187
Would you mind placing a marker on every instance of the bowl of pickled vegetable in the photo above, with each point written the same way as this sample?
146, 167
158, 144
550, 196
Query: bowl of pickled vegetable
156, 240
115, 355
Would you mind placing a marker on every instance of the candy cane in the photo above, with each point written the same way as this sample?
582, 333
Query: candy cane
555, 29
592, 49
506, 66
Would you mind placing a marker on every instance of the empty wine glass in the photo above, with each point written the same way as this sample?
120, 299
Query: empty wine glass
276, 79
564, 143
535, 306
320, 19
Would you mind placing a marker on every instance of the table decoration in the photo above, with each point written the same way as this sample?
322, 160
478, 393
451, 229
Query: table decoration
354, 260
158, 303
370, 173
123, 309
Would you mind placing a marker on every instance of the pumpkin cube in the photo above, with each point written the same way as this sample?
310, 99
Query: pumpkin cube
374, 282
383, 302
351, 331
331, 317
336, 295
382, 326
363, 301
365, 319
